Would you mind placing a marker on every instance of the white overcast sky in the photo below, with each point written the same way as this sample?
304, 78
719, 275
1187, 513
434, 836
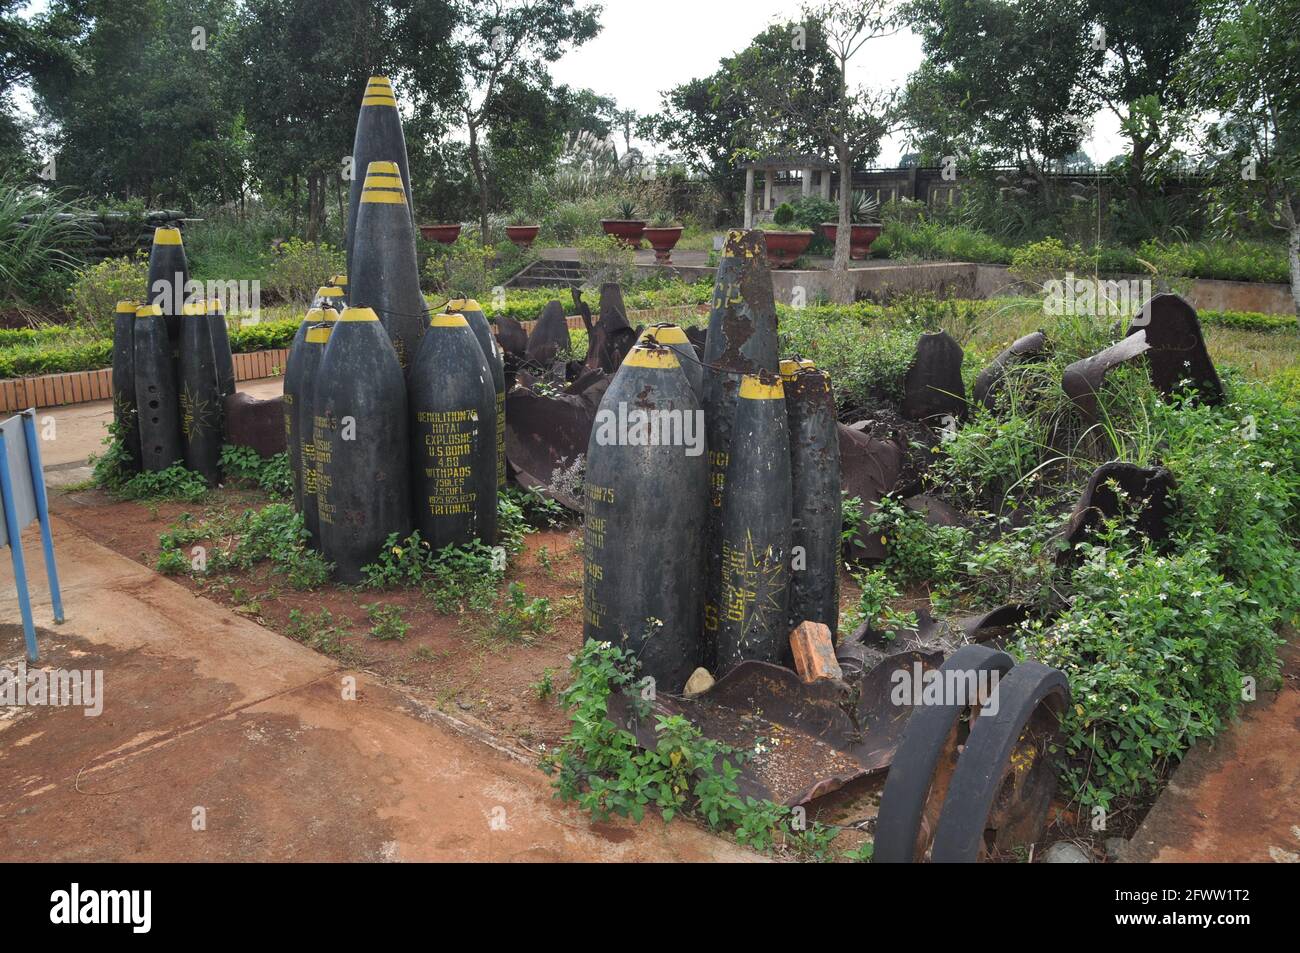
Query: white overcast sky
647, 46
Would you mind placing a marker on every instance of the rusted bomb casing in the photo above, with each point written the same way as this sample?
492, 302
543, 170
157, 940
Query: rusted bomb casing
157, 403
646, 496
201, 408
815, 501
478, 323
363, 479
169, 274
378, 138
453, 413
221, 348
313, 352
292, 404
125, 417
383, 273
754, 596
741, 340
674, 338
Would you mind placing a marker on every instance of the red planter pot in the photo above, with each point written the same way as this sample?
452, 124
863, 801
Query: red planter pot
626, 230
440, 233
662, 241
860, 238
523, 235
784, 248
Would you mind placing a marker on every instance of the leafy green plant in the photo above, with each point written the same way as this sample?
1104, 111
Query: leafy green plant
521, 619
174, 483
386, 622
783, 215
275, 534
299, 268
96, 289
246, 466
600, 767
39, 238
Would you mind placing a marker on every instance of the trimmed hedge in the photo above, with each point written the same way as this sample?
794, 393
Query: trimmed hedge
28, 353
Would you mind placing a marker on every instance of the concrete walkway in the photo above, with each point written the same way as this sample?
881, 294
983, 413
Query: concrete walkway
220, 740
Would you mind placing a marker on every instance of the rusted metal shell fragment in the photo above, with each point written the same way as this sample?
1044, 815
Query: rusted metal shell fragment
1147, 492
933, 388
990, 379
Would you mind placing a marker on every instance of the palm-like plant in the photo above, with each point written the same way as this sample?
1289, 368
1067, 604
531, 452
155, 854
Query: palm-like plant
39, 235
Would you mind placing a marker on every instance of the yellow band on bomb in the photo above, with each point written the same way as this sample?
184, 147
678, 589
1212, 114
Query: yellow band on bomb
753, 387
318, 335
463, 304
126, 307
167, 236
148, 311
448, 321
651, 357
384, 198
358, 314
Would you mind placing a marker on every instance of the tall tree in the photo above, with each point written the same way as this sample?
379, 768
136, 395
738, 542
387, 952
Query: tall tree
505, 45
851, 120
28, 45
713, 121
141, 117
1138, 49
296, 72
1002, 78
1245, 67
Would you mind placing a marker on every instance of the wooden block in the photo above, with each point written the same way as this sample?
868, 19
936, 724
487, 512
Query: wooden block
814, 652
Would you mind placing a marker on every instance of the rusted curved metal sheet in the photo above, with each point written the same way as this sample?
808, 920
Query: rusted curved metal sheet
1178, 353
1082, 380
807, 739
544, 434
1148, 490
933, 388
1022, 350
869, 468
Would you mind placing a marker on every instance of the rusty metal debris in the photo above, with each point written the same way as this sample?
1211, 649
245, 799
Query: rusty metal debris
812, 738
933, 389
1114, 489
869, 468
1175, 352
1022, 350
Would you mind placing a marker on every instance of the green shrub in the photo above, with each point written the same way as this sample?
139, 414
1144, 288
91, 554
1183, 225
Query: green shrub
1155, 650
275, 534
245, 465
174, 483
299, 268
40, 235
784, 214
96, 290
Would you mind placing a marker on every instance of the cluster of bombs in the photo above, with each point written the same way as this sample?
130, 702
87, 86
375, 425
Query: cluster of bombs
707, 559
172, 370
394, 418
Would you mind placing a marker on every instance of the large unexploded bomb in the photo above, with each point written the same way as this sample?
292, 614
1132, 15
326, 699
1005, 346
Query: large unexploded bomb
383, 273
155, 391
741, 340
674, 338
478, 323
313, 352
815, 500
363, 478
753, 601
453, 410
169, 274
378, 139
646, 496
200, 397
294, 379
221, 348
125, 416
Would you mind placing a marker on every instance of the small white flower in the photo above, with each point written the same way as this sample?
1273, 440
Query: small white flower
1162, 597
1266, 465
1196, 593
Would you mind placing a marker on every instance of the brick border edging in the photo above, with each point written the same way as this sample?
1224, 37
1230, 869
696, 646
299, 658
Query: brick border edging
77, 387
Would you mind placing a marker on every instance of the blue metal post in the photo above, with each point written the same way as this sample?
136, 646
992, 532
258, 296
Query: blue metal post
16, 551
43, 512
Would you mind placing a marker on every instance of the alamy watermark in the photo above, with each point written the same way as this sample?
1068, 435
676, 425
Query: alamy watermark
639, 427
242, 297
1096, 297
55, 687
967, 687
